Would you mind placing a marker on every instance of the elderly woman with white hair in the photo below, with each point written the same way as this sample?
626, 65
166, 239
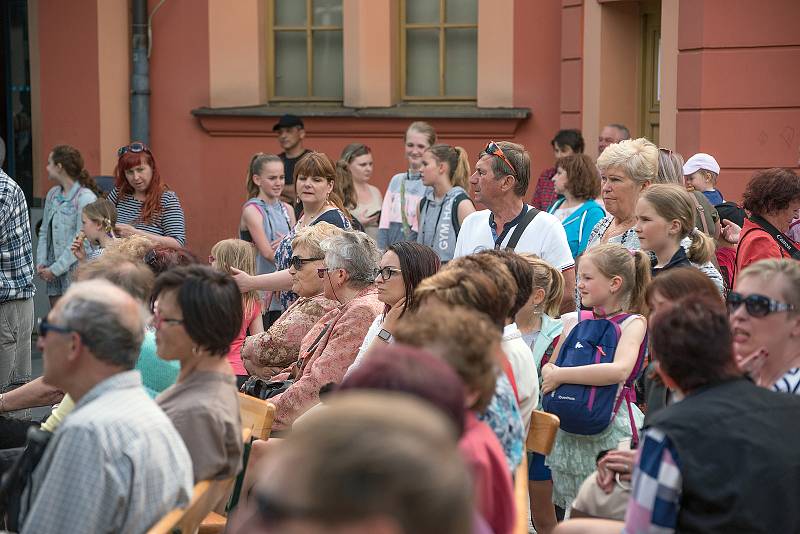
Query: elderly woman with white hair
330, 347
626, 169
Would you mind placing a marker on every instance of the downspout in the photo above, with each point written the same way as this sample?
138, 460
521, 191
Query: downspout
140, 77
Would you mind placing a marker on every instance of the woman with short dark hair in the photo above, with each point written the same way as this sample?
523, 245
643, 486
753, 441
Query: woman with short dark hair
197, 312
773, 199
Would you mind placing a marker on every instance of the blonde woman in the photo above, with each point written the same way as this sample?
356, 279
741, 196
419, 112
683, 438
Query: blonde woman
241, 255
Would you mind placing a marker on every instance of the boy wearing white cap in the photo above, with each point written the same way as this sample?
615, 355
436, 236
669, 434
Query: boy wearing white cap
700, 173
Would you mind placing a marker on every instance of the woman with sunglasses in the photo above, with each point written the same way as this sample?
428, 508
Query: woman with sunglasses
400, 271
765, 317
268, 353
145, 205
772, 197
331, 345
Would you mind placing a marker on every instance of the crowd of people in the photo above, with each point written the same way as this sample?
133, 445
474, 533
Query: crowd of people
406, 340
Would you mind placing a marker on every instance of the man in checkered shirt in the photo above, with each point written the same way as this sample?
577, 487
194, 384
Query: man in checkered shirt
16, 285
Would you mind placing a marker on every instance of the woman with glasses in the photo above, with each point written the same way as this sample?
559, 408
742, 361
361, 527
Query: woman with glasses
773, 199
765, 317
145, 205
267, 354
331, 345
197, 313
400, 271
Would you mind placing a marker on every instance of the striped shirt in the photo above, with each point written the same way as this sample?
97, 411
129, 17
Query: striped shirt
789, 383
169, 223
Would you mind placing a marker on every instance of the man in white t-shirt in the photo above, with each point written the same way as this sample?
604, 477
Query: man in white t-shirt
500, 182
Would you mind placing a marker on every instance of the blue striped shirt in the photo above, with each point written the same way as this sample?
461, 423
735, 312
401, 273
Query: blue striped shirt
168, 223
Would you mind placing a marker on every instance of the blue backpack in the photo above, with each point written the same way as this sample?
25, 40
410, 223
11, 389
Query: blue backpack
588, 410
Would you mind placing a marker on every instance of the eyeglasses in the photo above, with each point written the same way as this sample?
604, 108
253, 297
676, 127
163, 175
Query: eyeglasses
494, 150
133, 147
297, 262
158, 320
386, 273
756, 305
43, 326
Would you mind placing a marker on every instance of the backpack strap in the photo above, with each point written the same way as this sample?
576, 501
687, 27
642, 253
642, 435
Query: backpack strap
509, 372
516, 235
456, 201
702, 212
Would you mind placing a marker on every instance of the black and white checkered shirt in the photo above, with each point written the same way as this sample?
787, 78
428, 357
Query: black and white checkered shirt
16, 250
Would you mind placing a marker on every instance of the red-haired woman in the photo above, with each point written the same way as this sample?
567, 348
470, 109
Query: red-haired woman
145, 205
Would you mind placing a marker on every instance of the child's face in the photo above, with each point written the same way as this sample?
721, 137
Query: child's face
271, 179
654, 231
699, 181
595, 288
91, 229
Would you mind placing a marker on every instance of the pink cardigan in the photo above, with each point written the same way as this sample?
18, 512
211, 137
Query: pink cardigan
328, 361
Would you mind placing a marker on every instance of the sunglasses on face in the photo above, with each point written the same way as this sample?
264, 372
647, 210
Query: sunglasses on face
494, 150
297, 262
133, 147
43, 326
756, 305
386, 273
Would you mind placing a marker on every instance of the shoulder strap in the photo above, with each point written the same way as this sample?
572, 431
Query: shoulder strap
258, 205
779, 237
516, 235
456, 202
702, 211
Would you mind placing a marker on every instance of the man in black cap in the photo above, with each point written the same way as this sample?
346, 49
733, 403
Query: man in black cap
290, 136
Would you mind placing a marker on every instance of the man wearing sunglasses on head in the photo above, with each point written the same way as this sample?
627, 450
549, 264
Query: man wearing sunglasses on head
500, 182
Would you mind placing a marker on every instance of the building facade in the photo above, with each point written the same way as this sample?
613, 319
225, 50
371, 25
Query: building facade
716, 76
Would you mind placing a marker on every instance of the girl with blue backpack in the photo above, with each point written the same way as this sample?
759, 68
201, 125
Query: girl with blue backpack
589, 386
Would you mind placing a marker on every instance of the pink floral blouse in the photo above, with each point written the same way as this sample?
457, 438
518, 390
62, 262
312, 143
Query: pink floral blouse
324, 360
268, 353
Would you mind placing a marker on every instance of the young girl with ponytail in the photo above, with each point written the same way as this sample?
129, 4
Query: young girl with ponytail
99, 220
61, 222
612, 283
664, 217
445, 170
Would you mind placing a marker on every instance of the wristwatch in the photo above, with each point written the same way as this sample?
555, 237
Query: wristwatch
386, 336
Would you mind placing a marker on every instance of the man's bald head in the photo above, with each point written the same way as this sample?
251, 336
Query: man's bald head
109, 321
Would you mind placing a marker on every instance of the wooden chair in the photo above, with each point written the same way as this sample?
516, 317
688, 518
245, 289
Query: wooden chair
542, 434
207, 494
257, 416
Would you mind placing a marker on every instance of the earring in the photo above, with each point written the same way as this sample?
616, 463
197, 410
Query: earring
537, 310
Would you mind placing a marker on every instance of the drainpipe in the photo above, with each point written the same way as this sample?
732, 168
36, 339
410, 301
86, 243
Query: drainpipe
140, 77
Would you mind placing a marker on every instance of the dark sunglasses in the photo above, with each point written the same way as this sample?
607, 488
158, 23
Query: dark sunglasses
756, 305
494, 150
297, 262
43, 326
386, 273
133, 147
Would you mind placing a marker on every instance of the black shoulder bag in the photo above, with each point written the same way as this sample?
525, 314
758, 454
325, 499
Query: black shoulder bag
516, 235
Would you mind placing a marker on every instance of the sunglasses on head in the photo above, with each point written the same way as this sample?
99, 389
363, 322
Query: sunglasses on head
133, 147
297, 262
494, 150
756, 305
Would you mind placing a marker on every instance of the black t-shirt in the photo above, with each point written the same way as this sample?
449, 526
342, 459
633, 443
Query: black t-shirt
288, 165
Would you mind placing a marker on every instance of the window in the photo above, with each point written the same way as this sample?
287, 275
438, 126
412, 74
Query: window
305, 50
439, 44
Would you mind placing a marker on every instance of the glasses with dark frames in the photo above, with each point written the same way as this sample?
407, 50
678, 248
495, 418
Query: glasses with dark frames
756, 305
494, 150
297, 262
43, 326
386, 273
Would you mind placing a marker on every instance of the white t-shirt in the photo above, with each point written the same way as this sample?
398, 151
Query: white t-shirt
544, 236
372, 333
524, 368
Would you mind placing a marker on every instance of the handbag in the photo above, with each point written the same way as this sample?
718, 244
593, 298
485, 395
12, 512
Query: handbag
264, 389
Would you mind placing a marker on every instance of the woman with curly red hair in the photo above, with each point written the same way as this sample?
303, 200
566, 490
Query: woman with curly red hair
145, 205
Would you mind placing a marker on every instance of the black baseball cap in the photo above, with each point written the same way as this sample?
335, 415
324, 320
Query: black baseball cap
288, 121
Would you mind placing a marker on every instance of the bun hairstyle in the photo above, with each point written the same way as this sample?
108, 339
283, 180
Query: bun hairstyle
457, 163
632, 266
673, 202
70, 159
103, 212
257, 163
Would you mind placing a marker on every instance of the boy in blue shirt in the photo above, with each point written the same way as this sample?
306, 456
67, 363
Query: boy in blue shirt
700, 173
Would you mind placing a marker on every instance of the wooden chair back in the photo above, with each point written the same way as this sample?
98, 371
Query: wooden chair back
257, 415
206, 496
542, 434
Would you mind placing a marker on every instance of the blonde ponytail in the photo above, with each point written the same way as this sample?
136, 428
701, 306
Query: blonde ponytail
703, 249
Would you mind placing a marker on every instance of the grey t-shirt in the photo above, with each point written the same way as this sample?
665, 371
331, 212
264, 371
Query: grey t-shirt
205, 410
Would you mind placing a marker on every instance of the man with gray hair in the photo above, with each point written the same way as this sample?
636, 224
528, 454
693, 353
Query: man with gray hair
610, 134
116, 464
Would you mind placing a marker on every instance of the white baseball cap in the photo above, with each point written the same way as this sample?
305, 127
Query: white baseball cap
700, 161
